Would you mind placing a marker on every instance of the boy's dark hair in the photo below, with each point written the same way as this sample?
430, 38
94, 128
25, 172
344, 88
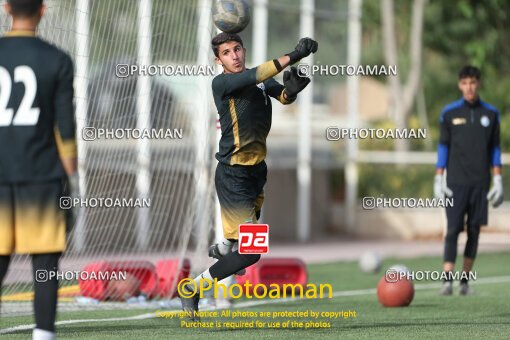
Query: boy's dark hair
223, 38
469, 71
25, 8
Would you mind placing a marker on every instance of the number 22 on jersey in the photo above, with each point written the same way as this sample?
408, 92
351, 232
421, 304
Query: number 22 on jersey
25, 114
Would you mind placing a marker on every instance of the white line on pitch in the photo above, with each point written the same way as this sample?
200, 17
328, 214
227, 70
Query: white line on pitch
488, 280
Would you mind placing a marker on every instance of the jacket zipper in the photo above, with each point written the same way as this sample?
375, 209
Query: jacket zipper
472, 117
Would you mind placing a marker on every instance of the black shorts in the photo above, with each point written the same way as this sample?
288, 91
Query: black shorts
31, 220
467, 200
240, 192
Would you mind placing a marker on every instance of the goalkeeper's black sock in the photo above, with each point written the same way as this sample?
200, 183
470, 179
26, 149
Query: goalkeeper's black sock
4, 265
45, 290
473, 234
232, 263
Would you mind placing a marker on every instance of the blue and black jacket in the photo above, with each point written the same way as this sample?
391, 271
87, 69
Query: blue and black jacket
469, 142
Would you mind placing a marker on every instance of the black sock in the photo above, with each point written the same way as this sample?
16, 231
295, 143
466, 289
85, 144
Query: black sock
45, 293
450, 244
464, 279
4, 265
448, 276
473, 234
232, 263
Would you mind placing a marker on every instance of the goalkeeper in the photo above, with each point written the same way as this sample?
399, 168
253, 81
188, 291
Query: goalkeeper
242, 98
468, 149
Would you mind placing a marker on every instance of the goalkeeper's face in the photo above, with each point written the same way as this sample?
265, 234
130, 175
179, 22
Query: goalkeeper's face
231, 56
469, 88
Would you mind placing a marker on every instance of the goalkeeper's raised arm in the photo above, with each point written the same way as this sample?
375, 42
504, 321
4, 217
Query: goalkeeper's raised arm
230, 53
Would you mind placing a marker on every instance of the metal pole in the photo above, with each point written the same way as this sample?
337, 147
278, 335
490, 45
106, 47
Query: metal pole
353, 58
218, 222
201, 125
259, 32
143, 108
81, 97
259, 49
304, 171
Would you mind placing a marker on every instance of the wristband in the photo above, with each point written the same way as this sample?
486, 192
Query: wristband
294, 57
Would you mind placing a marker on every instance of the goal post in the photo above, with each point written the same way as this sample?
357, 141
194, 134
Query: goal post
173, 171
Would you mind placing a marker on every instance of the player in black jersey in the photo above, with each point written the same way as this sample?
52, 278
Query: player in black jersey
37, 153
242, 98
468, 149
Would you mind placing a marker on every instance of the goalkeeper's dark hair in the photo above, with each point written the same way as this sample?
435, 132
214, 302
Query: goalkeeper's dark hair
223, 38
25, 8
470, 71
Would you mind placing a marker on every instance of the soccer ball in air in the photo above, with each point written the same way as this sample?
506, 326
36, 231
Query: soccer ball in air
370, 262
231, 16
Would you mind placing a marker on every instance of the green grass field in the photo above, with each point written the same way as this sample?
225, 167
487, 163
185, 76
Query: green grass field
485, 314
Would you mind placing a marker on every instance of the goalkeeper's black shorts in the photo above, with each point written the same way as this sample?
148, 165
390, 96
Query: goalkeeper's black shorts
470, 200
240, 192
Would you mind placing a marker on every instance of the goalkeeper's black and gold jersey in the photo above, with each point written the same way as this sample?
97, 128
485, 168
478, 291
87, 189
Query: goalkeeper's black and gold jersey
36, 109
245, 112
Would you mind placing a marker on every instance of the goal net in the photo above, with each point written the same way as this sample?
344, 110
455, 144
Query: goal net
162, 157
